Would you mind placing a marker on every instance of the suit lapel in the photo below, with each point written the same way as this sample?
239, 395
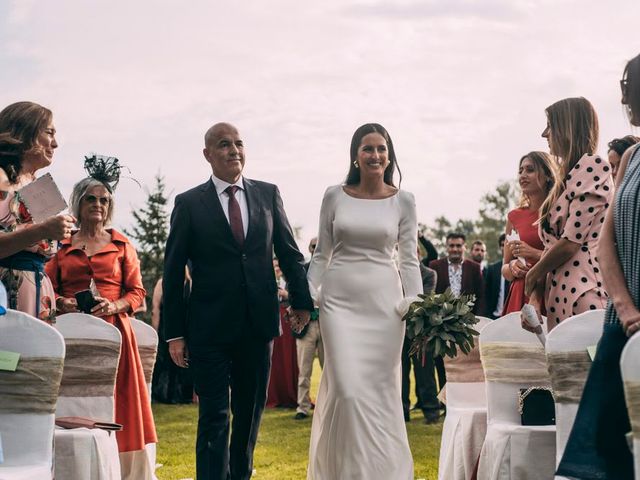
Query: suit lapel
253, 205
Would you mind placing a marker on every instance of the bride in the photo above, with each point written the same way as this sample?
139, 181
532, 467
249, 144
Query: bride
358, 429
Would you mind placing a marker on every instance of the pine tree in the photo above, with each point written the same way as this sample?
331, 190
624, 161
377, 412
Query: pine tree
150, 232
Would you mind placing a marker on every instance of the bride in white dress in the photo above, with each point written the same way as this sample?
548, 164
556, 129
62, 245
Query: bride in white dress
358, 429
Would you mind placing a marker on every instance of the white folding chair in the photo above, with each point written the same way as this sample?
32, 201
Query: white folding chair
87, 390
28, 396
630, 367
513, 359
465, 423
147, 339
569, 363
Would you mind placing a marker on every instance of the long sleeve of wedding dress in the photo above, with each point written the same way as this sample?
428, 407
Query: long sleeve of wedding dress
358, 429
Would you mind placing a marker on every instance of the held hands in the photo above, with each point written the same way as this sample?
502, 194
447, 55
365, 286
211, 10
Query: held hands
179, 353
298, 319
58, 227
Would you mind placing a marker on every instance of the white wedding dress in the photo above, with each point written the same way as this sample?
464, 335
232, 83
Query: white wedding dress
358, 429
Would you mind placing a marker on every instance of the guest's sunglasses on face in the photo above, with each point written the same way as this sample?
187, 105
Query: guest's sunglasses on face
104, 201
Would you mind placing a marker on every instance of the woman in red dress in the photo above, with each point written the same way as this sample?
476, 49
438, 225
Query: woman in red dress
106, 257
537, 174
283, 381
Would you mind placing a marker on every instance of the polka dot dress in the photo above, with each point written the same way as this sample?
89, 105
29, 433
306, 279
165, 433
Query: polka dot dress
627, 228
577, 215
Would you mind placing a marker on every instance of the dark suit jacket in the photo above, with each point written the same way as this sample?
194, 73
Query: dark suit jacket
492, 287
234, 291
472, 282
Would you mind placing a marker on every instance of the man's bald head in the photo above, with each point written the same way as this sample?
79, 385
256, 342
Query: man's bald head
216, 129
224, 150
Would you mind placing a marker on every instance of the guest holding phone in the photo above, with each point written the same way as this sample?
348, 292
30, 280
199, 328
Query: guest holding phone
103, 256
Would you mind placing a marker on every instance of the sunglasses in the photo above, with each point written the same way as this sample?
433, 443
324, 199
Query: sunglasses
104, 201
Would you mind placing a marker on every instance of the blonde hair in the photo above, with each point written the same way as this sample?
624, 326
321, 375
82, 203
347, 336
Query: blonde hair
80, 189
574, 130
545, 165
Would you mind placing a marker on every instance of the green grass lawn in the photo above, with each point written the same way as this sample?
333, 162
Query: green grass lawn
283, 443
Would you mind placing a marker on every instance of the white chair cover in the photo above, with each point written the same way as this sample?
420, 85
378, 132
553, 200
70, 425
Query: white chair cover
147, 339
90, 454
27, 438
510, 450
465, 423
629, 362
573, 335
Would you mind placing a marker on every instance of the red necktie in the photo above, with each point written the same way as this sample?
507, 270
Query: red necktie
235, 217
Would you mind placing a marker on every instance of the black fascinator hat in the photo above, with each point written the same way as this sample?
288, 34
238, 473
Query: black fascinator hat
104, 169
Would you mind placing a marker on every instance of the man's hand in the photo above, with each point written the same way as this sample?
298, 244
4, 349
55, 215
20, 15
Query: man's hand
178, 352
298, 319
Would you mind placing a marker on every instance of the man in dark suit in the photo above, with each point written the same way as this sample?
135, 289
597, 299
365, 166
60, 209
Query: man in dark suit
496, 286
228, 228
462, 276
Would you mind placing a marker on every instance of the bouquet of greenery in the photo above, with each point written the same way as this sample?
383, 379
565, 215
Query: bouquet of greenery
439, 324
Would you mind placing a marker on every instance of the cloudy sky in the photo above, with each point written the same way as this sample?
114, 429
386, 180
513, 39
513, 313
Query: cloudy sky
461, 85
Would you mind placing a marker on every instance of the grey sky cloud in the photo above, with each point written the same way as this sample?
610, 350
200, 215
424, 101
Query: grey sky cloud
461, 86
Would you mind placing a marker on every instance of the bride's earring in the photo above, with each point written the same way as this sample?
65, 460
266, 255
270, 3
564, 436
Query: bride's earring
355, 164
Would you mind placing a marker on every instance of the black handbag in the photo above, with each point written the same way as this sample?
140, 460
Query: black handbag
537, 406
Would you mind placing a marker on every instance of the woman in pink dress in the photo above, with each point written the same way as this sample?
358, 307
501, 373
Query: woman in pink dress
537, 175
571, 217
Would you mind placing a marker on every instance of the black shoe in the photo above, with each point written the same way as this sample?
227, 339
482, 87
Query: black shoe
431, 417
407, 417
300, 416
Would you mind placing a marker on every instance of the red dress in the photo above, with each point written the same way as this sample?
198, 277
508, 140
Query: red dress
283, 381
522, 220
116, 272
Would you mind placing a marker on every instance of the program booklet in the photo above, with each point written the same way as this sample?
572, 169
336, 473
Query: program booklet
42, 198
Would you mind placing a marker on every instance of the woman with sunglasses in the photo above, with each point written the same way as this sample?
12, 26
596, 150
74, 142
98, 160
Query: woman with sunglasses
597, 446
103, 259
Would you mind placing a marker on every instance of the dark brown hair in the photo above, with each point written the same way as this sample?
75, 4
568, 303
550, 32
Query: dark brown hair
353, 177
20, 125
632, 98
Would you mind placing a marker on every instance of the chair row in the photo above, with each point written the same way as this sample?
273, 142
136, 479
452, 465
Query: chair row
482, 430
66, 371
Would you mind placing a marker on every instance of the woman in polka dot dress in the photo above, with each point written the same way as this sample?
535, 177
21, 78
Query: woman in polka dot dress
597, 447
572, 216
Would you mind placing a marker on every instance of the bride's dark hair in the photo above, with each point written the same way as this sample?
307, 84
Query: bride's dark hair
353, 177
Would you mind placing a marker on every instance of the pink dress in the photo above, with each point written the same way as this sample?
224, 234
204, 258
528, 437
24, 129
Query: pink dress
22, 284
577, 215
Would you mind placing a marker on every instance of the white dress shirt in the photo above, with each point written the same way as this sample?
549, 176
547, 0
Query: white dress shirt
241, 197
